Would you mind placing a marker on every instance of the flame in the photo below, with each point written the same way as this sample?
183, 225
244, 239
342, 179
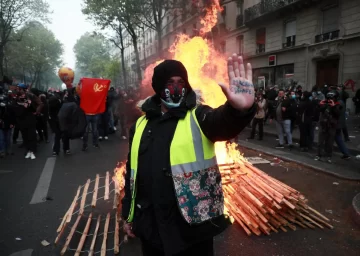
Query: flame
210, 19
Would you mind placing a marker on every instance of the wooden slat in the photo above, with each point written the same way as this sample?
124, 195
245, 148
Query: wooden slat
106, 229
83, 237
84, 195
60, 233
93, 241
116, 235
96, 188
68, 239
73, 204
106, 196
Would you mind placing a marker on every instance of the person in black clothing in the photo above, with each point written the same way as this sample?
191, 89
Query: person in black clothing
306, 113
42, 120
163, 228
330, 111
356, 100
26, 108
55, 104
104, 120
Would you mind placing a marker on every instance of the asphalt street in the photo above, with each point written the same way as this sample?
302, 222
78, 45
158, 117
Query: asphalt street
23, 225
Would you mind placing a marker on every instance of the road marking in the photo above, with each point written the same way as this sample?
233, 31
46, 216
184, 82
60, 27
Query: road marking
27, 252
43, 185
5, 171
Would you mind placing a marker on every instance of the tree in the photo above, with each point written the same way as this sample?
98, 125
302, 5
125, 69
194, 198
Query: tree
13, 15
112, 70
92, 54
117, 15
35, 58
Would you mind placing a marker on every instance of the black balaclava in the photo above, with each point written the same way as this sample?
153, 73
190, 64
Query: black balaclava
171, 94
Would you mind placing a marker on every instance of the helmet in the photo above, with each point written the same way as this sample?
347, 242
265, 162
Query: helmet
63, 87
332, 95
22, 86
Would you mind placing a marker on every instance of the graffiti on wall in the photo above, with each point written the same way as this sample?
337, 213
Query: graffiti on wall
350, 84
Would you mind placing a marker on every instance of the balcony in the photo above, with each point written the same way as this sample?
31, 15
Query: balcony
260, 48
265, 7
327, 36
289, 41
239, 20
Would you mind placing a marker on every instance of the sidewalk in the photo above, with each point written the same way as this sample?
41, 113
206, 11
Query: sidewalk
353, 125
345, 169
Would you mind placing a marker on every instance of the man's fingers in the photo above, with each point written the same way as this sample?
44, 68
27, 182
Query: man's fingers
236, 65
225, 89
231, 68
242, 68
249, 72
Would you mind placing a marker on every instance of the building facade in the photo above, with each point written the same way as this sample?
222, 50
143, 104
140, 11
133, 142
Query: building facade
310, 42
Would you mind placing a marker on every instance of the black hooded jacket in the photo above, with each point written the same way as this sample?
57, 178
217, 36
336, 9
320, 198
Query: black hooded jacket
157, 217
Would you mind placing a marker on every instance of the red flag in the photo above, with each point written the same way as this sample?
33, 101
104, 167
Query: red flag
93, 94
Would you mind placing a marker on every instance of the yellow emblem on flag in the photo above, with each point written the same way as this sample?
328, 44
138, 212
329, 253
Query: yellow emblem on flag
99, 88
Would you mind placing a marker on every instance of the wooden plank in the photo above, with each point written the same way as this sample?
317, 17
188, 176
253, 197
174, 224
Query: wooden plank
106, 196
106, 229
93, 241
116, 235
83, 198
61, 233
68, 239
62, 222
96, 189
72, 207
84, 235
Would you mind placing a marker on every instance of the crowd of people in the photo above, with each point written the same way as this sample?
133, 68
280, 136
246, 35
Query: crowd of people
323, 109
34, 114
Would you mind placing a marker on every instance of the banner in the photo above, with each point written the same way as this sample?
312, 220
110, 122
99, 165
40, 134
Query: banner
93, 93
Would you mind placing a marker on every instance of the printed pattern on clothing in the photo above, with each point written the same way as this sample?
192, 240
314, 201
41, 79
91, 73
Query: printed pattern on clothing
199, 194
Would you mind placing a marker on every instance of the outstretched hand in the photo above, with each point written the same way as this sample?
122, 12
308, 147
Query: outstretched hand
240, 94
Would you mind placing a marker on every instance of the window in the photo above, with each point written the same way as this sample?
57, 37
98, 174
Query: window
290, 33
260, 40
184, 31
240, 44
223, 46
330, 20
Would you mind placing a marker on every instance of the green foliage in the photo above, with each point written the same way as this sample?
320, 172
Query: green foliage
14, 14
92, 54
36, 57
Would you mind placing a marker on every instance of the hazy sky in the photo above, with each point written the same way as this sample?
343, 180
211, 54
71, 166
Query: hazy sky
68, 24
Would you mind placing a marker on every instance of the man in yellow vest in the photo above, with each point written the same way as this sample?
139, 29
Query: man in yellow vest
173, 196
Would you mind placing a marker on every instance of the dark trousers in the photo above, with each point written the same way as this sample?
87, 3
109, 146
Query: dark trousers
16, 133
340, 142
305, 135
346, 133
260, 122
65, 140
326, 141
29, 138
42, 128
104, 124
91, 120
205, 248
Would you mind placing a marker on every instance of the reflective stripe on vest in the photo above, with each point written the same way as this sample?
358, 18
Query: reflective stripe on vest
190, 151
139, 129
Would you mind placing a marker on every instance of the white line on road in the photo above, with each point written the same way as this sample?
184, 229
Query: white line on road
43, 185
27, 252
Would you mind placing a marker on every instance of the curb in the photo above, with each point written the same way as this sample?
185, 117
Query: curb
356, 208
266, 151
352, 151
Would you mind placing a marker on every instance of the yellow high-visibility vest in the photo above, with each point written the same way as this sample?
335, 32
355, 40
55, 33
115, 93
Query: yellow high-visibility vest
190, 151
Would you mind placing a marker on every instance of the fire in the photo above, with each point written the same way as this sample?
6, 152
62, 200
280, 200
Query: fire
210, 19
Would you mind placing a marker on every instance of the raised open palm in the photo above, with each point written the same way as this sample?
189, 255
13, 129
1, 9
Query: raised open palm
240, 93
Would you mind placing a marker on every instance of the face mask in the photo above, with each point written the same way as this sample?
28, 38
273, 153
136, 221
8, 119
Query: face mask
173, 94
310, 98
293, 96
